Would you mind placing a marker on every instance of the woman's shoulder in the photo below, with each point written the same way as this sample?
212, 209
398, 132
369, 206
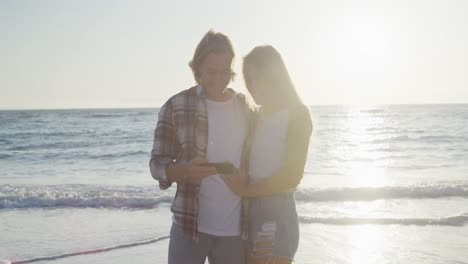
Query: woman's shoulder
300, 116
300, 112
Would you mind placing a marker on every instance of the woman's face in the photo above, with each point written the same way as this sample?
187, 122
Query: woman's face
256, 85
215, 72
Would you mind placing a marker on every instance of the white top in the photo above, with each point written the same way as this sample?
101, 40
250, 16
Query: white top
269, 145
219, 208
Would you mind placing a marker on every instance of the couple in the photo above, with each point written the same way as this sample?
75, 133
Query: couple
214, 213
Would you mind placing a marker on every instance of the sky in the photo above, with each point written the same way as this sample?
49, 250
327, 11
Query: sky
125, 54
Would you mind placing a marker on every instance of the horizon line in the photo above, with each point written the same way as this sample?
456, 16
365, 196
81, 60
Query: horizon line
153, 107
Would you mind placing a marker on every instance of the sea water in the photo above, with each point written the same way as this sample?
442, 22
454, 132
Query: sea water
382, 184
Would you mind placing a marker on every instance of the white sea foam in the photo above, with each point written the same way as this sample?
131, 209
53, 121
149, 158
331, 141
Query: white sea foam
386, 192
81, 196
458, 220
133, 197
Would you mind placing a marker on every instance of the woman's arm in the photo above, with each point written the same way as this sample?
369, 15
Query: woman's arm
289, 177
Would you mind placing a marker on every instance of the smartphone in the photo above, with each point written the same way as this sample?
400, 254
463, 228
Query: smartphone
221, 167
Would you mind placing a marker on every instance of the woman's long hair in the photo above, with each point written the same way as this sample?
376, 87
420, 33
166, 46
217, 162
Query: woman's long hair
271, 68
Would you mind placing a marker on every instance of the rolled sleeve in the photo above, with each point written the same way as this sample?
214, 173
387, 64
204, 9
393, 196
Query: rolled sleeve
158, 171
165, 146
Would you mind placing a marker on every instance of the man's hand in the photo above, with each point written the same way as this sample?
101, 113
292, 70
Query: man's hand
192, 171
196, 171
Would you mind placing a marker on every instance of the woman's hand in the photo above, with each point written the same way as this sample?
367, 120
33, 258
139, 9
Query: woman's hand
235, 182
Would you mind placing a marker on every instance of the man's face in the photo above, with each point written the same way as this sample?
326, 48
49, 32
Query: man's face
215, 72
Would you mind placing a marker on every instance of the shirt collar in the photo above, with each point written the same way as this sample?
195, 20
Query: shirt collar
201, 92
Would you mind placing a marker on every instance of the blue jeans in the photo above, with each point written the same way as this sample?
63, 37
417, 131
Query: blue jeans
273, 219
218, 249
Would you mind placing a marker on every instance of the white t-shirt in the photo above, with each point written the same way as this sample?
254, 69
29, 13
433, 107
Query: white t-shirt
219, 208
269, 145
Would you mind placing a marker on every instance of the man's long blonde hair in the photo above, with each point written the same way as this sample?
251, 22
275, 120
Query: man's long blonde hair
212, 42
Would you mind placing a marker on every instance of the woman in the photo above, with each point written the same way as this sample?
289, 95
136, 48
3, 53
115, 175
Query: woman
276, 161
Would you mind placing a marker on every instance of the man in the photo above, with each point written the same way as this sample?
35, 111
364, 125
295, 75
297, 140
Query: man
206, 123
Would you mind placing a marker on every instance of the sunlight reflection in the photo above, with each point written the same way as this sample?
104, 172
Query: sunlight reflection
363, 165
368, 244
365, 168
366, 175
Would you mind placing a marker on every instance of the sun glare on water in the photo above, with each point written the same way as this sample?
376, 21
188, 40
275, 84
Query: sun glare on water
358, 155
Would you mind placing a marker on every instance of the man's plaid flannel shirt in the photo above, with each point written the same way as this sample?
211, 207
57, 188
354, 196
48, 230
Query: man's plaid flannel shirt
181, 134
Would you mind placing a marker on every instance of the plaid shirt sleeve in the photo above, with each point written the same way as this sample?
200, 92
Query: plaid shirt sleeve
166, 147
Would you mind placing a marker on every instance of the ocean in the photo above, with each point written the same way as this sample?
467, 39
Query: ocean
382, 184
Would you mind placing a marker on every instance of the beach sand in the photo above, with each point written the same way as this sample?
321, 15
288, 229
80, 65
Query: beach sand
330, 244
